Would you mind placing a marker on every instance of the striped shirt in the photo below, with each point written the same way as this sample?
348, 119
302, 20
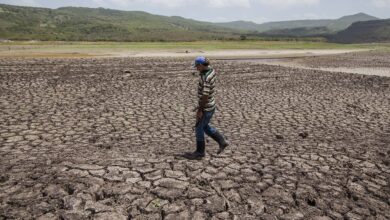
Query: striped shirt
207, 87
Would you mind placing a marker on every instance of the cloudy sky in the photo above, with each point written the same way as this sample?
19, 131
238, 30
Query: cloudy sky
230, 10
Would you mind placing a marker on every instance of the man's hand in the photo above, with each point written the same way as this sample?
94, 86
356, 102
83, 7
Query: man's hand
199, 115
202, 103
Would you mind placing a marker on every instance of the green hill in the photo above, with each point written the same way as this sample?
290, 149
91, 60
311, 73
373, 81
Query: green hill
293, 24
332, 25
364, 32
297, 32
99, 24
344, 22
240, 25
86, 24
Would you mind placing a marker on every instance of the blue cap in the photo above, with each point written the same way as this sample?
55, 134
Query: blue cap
200, 60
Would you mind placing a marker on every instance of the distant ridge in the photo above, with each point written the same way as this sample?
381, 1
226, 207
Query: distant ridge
332, 24
99, 24
364, 32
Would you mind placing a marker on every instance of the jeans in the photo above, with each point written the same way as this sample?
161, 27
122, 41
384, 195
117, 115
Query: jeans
204, 126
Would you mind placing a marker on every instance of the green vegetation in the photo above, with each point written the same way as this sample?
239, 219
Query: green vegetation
374, 31
309, 27
85, 24
346, 21
297, 32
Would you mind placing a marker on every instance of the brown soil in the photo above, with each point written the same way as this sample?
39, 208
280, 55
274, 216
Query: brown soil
373, 59
103, 138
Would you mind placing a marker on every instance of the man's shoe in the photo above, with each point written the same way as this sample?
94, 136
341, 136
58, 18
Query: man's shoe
222, 147
194, 155
218, 137
199, 153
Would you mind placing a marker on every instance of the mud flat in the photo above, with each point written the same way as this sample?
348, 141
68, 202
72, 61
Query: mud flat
53, 51
238, 53
103, 138
362, 62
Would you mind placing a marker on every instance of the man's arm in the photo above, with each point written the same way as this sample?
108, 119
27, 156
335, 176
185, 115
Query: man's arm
203, 102
202, 105
204, 99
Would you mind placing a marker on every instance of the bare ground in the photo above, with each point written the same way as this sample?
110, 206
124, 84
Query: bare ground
52, 52
102, 139
363, 62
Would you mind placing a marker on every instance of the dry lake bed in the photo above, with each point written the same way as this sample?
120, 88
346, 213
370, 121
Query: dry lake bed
102, 138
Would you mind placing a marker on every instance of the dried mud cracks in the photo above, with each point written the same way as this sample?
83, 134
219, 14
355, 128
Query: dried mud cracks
102, 138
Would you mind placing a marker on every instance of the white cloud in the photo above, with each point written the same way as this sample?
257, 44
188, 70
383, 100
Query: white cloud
179, 3
381, 3
158, 3
28, 3
310, 16
229, 3
286, 3
166, 3
198, 4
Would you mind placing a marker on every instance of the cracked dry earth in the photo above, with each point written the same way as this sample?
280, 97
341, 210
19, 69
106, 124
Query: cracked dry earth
103, 138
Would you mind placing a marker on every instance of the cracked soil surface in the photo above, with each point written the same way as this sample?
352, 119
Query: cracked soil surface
103, 139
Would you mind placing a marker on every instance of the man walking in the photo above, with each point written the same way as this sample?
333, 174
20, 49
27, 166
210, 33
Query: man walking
206, 109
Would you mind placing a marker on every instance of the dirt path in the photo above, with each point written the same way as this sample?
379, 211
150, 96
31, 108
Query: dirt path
103, 138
